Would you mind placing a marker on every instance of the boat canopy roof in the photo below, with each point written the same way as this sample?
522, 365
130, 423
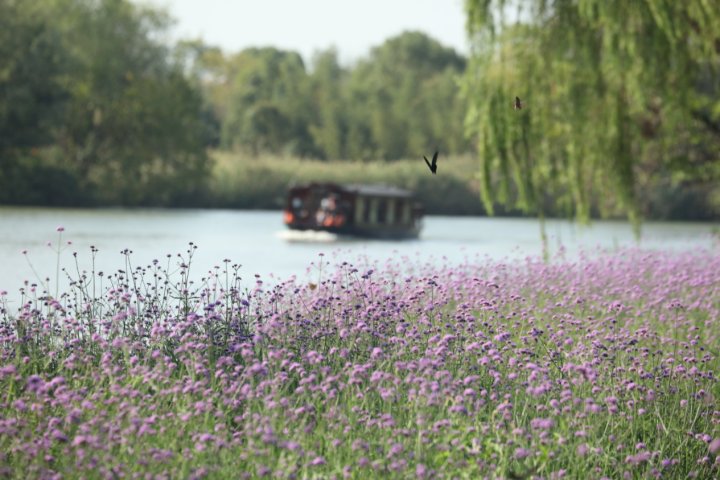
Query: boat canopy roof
367, 190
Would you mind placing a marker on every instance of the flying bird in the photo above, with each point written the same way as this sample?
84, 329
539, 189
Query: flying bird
518, 104
432, 165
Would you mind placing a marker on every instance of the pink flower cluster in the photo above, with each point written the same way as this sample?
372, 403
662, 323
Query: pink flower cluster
583, 368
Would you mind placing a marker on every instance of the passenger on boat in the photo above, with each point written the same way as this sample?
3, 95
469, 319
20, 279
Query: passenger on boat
329, 215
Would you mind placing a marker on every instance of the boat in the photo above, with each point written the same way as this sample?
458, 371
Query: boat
359, 210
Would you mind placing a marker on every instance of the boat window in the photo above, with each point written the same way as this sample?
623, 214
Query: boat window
360, 210
382, 211
407, 213
399, 211
299, 206
372, 213
391, 211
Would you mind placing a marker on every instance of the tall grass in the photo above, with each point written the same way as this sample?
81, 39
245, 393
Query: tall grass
242, 181
605, 367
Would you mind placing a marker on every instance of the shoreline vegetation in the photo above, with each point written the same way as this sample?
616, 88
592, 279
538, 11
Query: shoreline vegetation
599, 367
103, 110
238, 180
241, 180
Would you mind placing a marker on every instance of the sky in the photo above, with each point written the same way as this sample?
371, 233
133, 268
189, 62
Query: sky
306, 26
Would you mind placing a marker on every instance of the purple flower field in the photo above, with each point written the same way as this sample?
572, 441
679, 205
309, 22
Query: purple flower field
603, 366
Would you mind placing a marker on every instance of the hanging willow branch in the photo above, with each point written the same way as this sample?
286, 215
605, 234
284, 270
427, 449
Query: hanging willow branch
589, 73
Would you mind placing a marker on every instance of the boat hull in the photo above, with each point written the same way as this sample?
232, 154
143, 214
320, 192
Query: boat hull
383, 233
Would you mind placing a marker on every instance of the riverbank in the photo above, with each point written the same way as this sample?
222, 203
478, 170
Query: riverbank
236, 180
242, 181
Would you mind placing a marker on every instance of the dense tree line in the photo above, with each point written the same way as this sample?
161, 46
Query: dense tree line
622, 106
93, 110
96, 109
399, 101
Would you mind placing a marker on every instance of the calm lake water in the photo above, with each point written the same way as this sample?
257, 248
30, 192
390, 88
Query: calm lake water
259, 242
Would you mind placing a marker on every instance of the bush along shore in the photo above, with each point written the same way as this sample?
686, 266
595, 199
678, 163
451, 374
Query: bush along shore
601, 366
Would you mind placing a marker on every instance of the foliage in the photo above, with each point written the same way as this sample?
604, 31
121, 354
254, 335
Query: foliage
482, 369
621, 110
399, 101
126, 125
32, 93
331, 116
134, 122
242, 180
245, 181
30, 77
408, 83
267, 104
617, 95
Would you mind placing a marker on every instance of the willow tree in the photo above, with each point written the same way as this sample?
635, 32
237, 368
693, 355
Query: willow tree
607, 85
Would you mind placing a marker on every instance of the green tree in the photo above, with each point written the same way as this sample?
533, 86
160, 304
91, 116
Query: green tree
401, 100
329, 125
206, 68
32, 100
132, 130
268, 84
31, 70
616, 92
400, 96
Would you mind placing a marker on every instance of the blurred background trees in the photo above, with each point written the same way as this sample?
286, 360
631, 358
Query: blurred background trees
96, 112
32, 94
399, 101
621, 117
406, 95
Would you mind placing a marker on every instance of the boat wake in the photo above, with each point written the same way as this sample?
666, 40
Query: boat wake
307, 236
